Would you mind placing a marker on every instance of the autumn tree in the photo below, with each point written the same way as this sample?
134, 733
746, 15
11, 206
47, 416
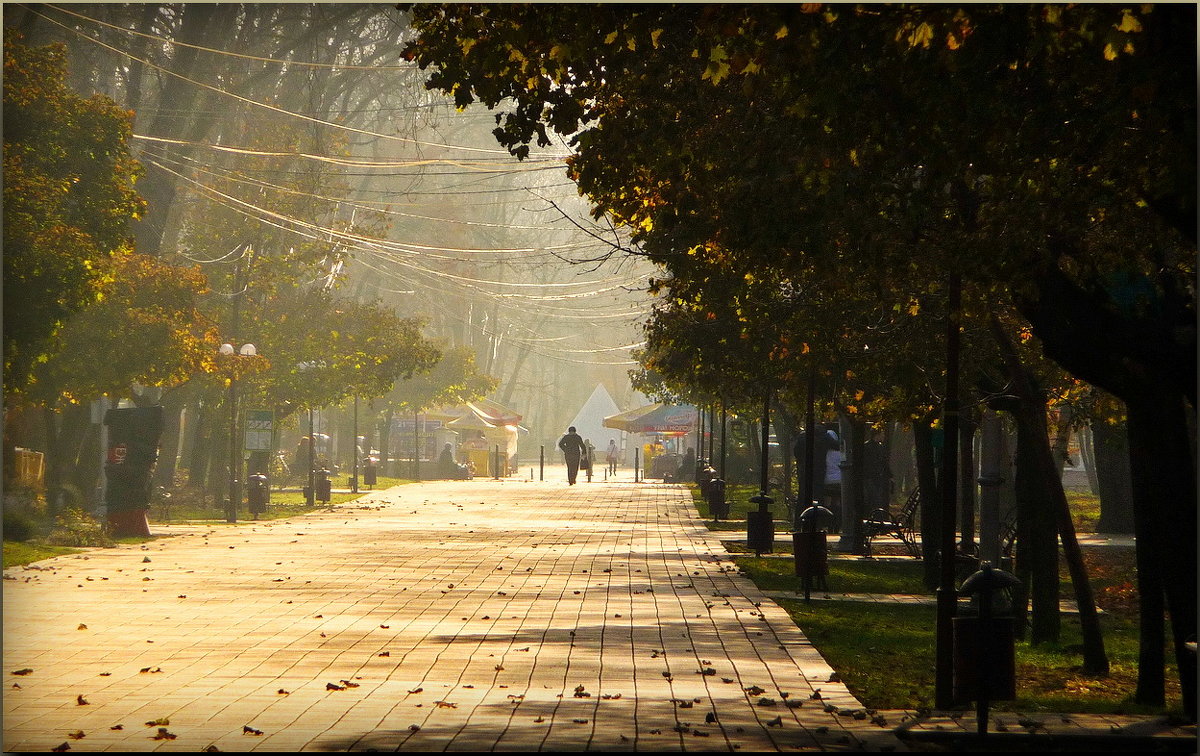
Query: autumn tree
819, 135
69, 200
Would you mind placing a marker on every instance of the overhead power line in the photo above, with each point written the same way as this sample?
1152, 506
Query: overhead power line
227, 53
264, 106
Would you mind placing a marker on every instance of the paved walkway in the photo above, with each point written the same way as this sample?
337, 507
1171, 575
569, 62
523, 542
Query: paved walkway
471, 615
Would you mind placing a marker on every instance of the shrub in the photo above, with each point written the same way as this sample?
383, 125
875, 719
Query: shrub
25, 514
75, 527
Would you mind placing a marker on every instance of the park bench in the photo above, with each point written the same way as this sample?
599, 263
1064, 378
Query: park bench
902, 525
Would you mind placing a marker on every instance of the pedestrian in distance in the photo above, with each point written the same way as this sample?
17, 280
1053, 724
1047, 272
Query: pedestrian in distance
573, 450
612, 455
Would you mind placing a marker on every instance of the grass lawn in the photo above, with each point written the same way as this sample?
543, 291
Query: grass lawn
17, 553
288, 503
778, 574
885, 656
884, 653
1085, 508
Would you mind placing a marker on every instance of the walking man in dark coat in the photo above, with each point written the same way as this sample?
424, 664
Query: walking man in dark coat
572, 449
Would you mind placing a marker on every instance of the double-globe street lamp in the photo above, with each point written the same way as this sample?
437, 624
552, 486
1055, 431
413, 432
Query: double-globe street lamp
235, 493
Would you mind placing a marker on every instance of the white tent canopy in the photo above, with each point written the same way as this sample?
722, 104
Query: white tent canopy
589, 421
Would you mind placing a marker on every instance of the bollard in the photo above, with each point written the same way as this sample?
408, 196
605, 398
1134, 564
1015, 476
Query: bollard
542, 463
984, 645
635, 464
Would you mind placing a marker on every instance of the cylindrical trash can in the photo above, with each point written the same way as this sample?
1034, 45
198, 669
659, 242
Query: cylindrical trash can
760, 526
1000, 651
811, 555
257, 493
717, 506
324, 487
370, 474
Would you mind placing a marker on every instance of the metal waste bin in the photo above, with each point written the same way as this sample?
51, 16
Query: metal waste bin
760, 526
257, 493
370, 474
717, 506
324, 486
985, 666
809, 544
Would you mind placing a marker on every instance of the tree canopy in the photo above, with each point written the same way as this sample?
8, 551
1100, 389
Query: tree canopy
68, 200
1042, 154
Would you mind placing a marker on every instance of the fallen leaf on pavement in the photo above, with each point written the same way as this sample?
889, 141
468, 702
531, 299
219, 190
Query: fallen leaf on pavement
248, 730
81, 701
776, 722
78, 734
25, 671
60, 748
162, 734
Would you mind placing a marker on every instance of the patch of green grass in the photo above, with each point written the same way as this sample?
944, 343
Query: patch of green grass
845, 575
17, 553
1085, 510
856, 637
884, 654
190, 507
738, 496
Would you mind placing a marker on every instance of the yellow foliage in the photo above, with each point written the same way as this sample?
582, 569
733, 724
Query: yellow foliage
1129, 24
922, 36
654, 35
610, 38
781, 32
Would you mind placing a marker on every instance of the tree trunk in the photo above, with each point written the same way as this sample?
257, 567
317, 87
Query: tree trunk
853, 490
1145, 357
1037, 550
991, 477
173, 403
1062, 438
1087, 455
1110, 447
930, 502
385, 436
1164, 497
969, 423
900, 449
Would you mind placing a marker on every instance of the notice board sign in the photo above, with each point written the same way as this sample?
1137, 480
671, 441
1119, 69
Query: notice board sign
260, 427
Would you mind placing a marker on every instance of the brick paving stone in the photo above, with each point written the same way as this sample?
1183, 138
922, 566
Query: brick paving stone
459, 615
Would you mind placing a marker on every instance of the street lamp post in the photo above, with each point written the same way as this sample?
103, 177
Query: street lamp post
354, 479
235, 491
